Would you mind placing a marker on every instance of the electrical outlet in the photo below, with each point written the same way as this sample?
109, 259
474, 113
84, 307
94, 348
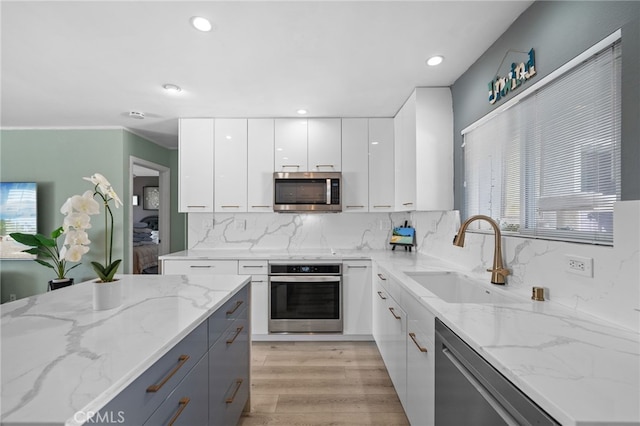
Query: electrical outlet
240, 224
579, 265
12, 297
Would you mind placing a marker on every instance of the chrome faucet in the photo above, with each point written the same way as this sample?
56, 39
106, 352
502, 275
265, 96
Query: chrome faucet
498, 272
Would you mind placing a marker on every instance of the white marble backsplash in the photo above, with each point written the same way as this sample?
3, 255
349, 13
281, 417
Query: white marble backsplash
613, 293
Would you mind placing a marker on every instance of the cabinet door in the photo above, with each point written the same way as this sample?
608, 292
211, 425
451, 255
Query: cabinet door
195, 159
357, 297
324, 145
260, 165
381, 165
258, 269
187, 405
405, 156
290, 145
231, 165
355, 165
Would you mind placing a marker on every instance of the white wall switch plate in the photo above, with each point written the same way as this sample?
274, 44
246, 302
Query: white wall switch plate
579, 265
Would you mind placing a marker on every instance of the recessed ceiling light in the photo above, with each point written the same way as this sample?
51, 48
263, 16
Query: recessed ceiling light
172, 88
435, 60
201, 24
302, 111
374, 143
228, 136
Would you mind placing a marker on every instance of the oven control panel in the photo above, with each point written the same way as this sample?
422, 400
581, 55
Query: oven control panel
305, 269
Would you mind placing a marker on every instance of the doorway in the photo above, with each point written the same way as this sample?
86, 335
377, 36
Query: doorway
149, 215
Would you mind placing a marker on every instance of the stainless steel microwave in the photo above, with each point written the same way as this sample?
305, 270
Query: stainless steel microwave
307, 192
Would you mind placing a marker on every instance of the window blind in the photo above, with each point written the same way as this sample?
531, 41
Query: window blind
549, 165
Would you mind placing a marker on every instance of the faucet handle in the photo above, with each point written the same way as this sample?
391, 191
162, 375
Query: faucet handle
502, 271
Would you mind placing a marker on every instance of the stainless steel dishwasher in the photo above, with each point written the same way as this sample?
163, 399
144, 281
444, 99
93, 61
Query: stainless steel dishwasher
469, 391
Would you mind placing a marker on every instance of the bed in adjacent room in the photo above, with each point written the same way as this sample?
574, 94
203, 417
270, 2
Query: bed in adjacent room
145, 246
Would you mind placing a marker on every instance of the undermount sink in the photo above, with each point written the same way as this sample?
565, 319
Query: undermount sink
453, 287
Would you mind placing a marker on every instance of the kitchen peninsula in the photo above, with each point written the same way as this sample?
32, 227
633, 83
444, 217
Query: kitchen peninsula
62, 361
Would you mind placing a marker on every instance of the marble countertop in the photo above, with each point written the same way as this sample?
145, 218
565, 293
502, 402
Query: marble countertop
580, 369
60, 357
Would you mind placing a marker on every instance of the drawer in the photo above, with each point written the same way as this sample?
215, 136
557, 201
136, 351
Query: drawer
224, 317
421, 316
229, 376
253, 267
199, 267
143, 396
188, 404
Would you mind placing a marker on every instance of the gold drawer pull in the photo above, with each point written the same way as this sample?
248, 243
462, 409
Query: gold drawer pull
393, 312
199, 207
381, 296
407, 204
230, 207
291, 165
238, 385
182, 360
413, 337
235, 308
324, 165
238, 331
264, 207
182, 405
382, 206
355, 207
382, 277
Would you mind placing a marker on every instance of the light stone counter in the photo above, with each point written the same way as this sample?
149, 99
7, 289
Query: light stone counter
580, 369
61, 359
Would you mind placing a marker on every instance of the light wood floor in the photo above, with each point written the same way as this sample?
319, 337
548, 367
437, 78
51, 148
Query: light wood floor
321, 383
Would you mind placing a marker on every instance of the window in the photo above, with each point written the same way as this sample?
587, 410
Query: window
548, 165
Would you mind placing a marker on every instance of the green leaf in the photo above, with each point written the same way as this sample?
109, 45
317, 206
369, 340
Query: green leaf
43, 263
44, 241
106, 273
33, 250
57, 232
26, 239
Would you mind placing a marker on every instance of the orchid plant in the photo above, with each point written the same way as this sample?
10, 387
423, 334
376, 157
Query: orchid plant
105, 191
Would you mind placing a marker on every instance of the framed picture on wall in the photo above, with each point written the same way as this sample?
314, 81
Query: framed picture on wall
150, 197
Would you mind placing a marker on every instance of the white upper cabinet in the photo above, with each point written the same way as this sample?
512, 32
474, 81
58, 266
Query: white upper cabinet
195, 163
381, 165
424, 151
231, 165
260, 165
434, 149
324, 145
290, 145
355, 165
405, 156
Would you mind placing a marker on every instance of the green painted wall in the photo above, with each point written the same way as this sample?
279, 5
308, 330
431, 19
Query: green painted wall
58, 160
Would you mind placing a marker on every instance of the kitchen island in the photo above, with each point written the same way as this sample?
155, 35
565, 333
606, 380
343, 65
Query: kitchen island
61, 360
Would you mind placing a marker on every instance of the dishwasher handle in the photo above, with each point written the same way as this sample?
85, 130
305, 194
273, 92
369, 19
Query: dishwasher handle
491, 400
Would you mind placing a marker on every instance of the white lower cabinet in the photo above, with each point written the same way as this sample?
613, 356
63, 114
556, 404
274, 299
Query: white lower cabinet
420, 404
356, 292
404, 331
258, 269
198, 267
389, 331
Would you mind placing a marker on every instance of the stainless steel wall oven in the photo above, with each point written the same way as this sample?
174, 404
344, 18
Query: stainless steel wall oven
305, 298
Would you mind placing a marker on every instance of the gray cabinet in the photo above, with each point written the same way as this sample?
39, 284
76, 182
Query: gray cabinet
204, 379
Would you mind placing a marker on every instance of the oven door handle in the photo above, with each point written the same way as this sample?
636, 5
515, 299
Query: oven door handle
303, 278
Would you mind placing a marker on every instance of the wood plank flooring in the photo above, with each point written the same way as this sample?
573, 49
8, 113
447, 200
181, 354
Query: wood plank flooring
321, 383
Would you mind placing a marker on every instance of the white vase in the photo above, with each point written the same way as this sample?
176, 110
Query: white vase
107, 295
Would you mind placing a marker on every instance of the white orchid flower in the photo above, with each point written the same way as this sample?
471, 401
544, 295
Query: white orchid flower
74, 253
76, 237
105, 187
76, 221
66, 207
85, 203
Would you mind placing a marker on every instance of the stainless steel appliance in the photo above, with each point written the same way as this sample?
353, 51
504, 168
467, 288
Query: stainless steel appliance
305, 298
470, 391
307, 192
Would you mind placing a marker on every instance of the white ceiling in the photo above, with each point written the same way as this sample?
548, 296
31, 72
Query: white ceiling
87, 64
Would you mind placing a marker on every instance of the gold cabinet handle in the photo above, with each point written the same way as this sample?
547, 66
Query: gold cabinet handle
324, 165
381, 296
413, 337
407, 204
382, 277
230, 207
235, 392
291, 165
355, 207
235, 308
357, 266
196, 207
200, 266
182, 404
238, 331
253, 266
382, 206
393, 312
264, 207
182, 360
